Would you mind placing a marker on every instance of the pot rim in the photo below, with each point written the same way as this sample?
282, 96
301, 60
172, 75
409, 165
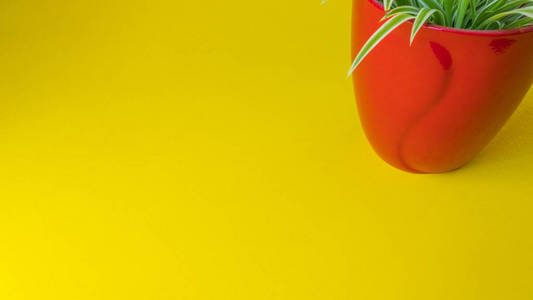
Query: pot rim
473, 32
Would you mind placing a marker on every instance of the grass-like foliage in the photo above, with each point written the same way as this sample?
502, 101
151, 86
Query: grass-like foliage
466, 14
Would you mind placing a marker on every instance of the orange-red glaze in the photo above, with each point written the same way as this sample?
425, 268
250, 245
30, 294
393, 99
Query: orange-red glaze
431, 107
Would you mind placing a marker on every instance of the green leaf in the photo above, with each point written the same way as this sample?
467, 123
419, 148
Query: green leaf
387, 4
498, 4
512, 5
402, 2
483, 13
461, 11
431, 4
421, 18
448, 11
434, 4
401, 10
378, 36
519, 23
496, 25
525, 11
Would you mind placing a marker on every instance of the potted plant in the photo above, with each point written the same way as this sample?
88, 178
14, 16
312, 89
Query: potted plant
435, 80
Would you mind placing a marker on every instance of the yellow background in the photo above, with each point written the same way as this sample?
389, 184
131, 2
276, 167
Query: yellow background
211, 150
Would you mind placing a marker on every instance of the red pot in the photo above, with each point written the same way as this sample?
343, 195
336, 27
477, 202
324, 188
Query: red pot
431, 107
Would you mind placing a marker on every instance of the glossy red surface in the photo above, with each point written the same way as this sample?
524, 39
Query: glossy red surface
431, 107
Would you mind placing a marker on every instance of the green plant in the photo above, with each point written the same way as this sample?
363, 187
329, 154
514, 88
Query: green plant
466, 14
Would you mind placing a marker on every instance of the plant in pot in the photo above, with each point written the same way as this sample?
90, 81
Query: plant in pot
437, 79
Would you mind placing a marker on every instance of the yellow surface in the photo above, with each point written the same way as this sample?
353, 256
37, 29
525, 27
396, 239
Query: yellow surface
211, 150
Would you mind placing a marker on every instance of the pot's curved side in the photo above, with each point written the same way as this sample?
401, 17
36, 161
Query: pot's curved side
433, 106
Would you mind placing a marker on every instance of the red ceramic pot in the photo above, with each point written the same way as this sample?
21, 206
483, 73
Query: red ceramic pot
431, 107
